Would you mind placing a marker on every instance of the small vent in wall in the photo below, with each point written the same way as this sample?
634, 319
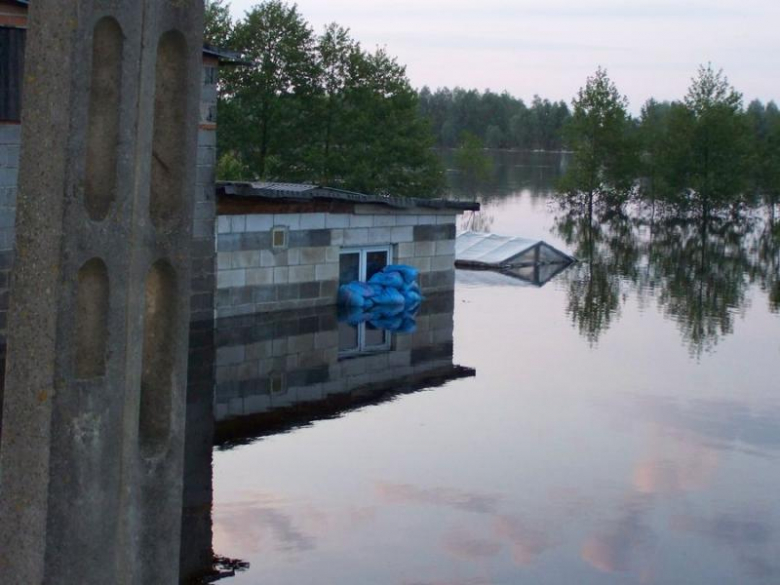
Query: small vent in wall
279, 237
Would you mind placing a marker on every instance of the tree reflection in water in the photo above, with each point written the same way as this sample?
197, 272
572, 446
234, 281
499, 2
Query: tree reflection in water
767, 252
699, 275
609, 259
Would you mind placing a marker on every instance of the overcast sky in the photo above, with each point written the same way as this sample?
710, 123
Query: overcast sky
548, 47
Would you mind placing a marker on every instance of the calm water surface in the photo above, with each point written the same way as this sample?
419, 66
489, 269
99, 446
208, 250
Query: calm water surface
623, 425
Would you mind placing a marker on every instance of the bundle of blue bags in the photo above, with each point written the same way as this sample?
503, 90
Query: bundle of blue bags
395, 285
388, 300
394, 318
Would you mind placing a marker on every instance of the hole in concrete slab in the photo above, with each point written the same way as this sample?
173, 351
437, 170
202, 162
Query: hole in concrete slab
159, 351
92, 320
103, 125
168, 147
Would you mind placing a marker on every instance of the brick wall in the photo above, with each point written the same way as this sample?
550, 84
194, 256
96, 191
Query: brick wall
282, 360
252, 277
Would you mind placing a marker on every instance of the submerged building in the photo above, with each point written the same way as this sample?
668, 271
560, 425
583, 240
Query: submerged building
285, 246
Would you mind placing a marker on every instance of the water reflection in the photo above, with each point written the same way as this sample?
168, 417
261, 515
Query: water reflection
533, 172
270, 373
618, 460
275, 372
698, 275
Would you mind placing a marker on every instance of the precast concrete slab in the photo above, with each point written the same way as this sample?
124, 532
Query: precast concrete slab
91, 458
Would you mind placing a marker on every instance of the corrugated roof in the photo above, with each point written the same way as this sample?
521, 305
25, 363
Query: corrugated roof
491, 250
303, 192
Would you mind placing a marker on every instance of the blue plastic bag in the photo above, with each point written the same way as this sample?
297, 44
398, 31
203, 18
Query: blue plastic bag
408, 273
350, 296
388, 279
389, 296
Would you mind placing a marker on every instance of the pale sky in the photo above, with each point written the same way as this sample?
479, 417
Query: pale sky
548, 47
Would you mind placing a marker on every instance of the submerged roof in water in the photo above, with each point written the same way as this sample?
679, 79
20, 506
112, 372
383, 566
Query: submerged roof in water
493, 251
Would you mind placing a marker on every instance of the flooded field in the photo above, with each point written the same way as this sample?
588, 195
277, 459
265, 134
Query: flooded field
620, 424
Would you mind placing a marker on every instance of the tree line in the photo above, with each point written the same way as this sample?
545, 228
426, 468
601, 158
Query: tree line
317, 107
497, 120
703, 155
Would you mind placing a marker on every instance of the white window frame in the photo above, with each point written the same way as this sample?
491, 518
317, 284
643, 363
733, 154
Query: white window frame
362, 348
364, 251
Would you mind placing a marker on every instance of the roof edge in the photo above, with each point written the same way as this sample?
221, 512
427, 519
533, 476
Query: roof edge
302, 192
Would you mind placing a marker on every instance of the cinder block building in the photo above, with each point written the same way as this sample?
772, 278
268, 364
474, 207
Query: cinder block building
284, 246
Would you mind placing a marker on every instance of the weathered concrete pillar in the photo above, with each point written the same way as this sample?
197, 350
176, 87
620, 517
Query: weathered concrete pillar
91, 458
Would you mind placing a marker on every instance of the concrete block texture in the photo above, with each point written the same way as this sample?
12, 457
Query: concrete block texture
312, 253
93, 418
293, 359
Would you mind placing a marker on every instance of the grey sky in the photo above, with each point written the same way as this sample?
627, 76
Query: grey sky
651, 48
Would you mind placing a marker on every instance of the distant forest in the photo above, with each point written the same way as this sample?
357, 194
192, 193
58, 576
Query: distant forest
498, 120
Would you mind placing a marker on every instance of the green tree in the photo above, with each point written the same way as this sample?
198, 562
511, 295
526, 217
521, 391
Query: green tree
709, 169
602, 168
336, 54
386, 145
764, 122
268, 111
218, 24
654, 147
320, 109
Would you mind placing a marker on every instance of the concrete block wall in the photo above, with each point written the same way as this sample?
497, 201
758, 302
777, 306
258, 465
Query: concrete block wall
253, 277
10, 139
279, 360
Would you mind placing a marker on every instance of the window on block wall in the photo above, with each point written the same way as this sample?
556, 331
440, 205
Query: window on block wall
362, 263
362, 339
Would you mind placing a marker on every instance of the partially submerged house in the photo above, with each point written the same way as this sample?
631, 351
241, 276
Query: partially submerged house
284, 246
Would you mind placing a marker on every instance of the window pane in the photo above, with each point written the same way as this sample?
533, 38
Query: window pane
349, 267
375, 337
375, 262
348, 337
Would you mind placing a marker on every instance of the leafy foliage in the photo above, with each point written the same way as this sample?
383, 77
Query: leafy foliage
318, 108
603, 166
218, 24
499, 120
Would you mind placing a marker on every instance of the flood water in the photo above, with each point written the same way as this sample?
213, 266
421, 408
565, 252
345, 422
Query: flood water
620, 424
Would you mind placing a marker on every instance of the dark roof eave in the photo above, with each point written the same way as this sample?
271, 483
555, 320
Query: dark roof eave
225, 56
306, 193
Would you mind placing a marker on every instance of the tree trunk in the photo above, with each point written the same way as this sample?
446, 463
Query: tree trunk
590, 209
